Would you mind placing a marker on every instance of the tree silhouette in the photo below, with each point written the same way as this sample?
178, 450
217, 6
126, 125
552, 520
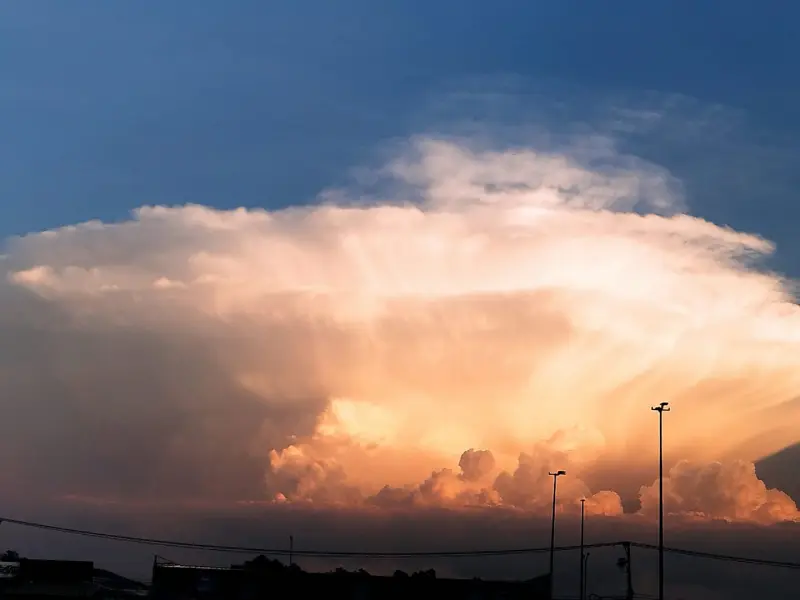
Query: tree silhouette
429, 574
10, 556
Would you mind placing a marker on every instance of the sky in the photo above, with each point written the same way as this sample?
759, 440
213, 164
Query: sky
402, 258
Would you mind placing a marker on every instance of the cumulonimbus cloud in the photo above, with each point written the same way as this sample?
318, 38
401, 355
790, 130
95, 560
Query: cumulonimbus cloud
527, 305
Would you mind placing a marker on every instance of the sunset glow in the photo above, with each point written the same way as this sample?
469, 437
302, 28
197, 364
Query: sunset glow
521, 315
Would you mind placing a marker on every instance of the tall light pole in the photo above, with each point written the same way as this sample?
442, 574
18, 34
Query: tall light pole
586, 574
661, 409
582, 588
555, 477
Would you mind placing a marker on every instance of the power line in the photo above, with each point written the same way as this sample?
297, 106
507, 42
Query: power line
384, 555
724, 557
286, 552
282, 551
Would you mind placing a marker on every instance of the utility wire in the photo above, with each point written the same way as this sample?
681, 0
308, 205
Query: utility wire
284, 551
724, 557
384, 555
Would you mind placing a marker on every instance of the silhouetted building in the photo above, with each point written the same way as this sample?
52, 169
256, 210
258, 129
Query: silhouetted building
267, 579
49, 579
32, 579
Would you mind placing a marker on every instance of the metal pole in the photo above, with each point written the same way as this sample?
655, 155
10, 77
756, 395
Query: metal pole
555, 477
661, 505
553, 535
628, 567
291, 550
582, 595
585, 573
661, 408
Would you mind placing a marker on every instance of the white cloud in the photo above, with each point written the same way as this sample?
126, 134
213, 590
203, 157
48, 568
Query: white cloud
527, 294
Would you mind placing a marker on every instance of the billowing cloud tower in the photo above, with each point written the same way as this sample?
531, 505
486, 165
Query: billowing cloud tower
494, 315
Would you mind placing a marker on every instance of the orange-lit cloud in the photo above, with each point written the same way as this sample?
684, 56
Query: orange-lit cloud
730, 491
525, 304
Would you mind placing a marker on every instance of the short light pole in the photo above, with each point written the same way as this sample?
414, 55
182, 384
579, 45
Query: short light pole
555, 477
582, 588
661, 409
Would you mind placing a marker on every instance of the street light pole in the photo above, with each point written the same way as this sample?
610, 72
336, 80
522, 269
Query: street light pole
661, 409
555, 477
585, 573
582, 595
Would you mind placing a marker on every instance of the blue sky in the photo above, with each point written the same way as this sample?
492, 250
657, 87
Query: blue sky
110, 105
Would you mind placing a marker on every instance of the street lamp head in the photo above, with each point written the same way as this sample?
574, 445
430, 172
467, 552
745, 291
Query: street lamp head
663, 406
558, 473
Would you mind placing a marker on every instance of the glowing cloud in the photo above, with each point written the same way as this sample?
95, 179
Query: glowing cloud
525, 303
721, 491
